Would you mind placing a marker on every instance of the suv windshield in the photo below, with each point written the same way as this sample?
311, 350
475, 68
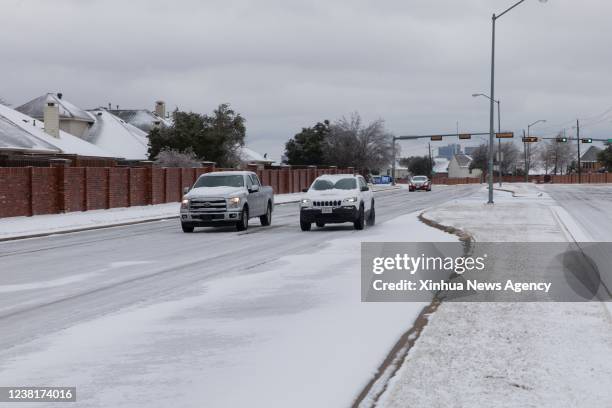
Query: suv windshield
342, 184
220, 181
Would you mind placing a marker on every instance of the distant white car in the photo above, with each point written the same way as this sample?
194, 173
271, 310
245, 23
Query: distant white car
336, 199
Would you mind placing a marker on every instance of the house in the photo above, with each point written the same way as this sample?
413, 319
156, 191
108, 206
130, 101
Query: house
116, 136
589, 159
459, 167
72, 119
401, 171
441, 166
251, 157
24, 134
144, 119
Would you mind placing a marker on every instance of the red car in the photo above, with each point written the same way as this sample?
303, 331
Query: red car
419, 183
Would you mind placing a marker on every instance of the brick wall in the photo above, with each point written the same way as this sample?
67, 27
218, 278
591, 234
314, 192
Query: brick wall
15, 198
26, 191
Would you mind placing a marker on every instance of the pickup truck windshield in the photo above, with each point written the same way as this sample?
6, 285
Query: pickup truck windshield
220, 181
342, 184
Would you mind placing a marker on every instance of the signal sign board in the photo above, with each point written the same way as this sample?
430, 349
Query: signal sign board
505, 135
465, 136
436, 138
530, 139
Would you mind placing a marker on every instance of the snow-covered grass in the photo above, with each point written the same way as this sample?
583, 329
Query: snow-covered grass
291, 333
509, 354
15, 227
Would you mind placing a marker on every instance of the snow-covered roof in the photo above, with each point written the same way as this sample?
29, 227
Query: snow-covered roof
250, 155
35, 108
441, 165
116, 136
143, 119
591, 155
463, 160
31, 133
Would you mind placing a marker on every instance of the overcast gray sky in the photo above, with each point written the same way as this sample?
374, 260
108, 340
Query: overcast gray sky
287, 64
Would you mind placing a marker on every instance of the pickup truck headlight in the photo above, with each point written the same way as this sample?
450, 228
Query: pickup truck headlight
185, 203
233, 202
306, 202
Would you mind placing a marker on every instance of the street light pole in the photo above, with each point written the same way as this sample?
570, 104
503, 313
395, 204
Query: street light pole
492, 108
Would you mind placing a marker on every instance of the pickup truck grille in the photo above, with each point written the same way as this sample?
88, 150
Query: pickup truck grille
207, 205
333, 203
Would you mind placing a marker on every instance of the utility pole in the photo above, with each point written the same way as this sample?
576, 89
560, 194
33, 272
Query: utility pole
579, 160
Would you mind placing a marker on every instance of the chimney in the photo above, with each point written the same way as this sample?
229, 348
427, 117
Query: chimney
51, 117
160, 109
59, 95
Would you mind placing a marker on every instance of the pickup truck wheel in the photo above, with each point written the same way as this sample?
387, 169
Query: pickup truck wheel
243, 224
187, 228
360, 221
320, 224
305, 226
372, 218
266, 219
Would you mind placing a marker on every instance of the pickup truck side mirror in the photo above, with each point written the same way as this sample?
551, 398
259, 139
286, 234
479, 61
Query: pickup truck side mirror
185, 190
304, 190
365, 188
254, 188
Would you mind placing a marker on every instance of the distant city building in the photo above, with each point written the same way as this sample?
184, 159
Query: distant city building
449, 151
469, 150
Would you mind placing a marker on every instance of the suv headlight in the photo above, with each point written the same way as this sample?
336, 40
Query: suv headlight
306, 202
233, 202
350, 200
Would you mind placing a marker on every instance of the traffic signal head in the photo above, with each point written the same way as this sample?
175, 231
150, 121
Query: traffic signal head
589, 140
562, 140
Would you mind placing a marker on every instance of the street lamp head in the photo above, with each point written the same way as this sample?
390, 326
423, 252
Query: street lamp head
475, 95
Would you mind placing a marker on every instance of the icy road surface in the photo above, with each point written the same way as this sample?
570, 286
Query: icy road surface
145, 315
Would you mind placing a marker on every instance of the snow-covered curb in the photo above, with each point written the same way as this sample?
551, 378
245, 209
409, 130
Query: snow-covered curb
41, 225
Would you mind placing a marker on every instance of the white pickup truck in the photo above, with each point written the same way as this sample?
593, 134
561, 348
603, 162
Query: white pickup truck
226, 198
335, 199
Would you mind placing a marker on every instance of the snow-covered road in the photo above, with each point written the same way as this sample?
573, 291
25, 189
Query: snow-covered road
147, 315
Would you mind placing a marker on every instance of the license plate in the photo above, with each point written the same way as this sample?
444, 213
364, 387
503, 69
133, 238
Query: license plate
326, 210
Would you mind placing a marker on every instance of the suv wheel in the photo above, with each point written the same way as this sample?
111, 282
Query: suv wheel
243, 224
266, 219
305, 226
360, 221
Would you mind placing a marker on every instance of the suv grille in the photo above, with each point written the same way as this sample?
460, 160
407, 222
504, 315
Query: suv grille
334, 203
207, 204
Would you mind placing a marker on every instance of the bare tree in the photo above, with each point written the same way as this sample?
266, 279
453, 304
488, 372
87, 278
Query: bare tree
556, 156
350, 143
174, 158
